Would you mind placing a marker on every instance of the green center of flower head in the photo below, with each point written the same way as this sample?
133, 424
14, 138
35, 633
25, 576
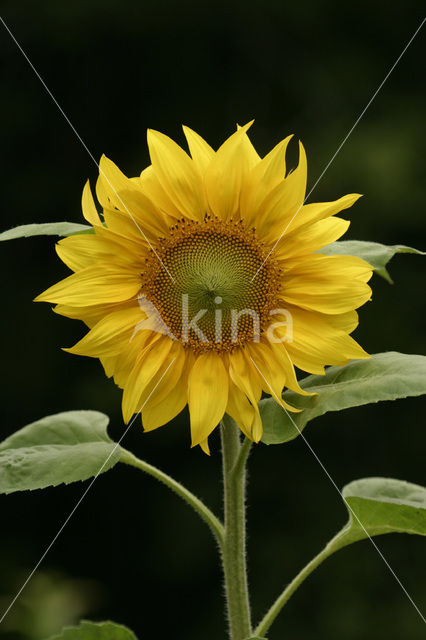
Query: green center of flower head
209, 284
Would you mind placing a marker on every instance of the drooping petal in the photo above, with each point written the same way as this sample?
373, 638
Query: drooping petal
158, 414
278, 352
167, 395
125, 361
270, 372
243, 412
205, 446
146, 366
207, 395
246, 378
173, 369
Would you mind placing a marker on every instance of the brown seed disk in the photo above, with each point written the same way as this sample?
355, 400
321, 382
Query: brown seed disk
209, 283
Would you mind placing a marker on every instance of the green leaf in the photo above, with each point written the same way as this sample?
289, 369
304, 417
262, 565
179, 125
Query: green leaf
384, 376
376, 254
96, 631
62, 448
381, 505
45, 229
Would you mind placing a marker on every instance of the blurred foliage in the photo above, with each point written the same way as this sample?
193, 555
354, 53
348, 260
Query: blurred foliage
116, 68
50, 602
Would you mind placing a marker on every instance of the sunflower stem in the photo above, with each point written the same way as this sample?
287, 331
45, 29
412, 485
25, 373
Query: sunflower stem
204, 512
234, 546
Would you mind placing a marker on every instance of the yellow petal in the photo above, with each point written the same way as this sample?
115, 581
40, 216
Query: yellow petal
205, 446
225, 174
122, 224
168, 397
283, 360
177, 174
108, 363
98, 284
117, 192
134, 216
88, 206
241, 410
90, 314
159, 414
245, 376
319, 340
68, 251
261, 180
81, 251
253, 157
153, 189
146, 366
110, 182
270, 372
311, 237
284, 202
127, 241
328, 284
201, 152
109, 334
144, 214
313, 212
167, 377
126, 359
207, 395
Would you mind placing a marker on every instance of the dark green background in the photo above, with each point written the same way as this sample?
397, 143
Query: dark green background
133, 552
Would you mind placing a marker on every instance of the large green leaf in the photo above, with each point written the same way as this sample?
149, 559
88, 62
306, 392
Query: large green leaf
381, 505
62, 448
45, 229
96, 631
376, 254
384, 376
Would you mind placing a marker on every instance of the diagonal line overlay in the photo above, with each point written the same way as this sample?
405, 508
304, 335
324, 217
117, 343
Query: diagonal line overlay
86, 147
278, 400
361, 115
80, 500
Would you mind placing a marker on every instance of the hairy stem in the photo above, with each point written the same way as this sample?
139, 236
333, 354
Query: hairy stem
233, 550
204, 512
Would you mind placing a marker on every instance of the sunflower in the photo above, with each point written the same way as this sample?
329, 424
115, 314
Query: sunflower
201, 284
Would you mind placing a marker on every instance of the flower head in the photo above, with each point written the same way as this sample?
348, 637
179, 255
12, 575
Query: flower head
202, 285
